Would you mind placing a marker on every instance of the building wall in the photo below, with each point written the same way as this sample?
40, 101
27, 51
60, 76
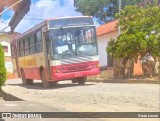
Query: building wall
102, 44
5, 41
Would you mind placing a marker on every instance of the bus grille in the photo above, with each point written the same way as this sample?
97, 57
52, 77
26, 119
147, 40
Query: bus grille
77, 68
76, 60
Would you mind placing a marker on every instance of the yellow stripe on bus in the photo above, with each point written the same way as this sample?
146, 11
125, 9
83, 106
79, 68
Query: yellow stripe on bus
28, 63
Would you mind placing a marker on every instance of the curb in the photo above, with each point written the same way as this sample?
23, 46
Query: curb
129, 81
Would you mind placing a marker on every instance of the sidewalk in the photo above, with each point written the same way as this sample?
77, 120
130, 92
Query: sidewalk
25, 106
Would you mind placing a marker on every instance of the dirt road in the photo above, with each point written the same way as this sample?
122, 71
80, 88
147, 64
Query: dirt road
96, 97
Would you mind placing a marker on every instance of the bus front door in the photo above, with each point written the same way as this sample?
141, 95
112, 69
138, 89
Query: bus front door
47, 55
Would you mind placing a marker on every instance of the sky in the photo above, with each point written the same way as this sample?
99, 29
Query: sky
40, 10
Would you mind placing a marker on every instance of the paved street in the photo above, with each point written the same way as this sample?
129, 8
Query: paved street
96, 97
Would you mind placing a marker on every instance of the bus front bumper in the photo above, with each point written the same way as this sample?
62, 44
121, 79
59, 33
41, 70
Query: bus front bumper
71, 75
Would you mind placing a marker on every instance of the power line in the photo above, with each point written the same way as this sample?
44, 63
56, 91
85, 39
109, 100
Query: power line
11, 7
3, 29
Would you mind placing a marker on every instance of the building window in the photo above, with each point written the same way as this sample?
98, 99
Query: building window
38, 41
5, 49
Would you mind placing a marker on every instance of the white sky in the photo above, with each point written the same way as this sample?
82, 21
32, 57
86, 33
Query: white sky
41, 10
46, 9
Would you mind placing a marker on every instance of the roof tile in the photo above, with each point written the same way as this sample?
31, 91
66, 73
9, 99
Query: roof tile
107, 28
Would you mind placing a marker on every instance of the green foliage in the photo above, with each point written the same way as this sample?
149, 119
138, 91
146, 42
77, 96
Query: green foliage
2, 68
103, 10
140, 32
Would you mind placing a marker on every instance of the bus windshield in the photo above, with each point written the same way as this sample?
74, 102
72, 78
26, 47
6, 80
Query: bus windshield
73, 42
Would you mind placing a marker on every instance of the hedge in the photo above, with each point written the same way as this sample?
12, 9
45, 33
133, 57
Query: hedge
2, 68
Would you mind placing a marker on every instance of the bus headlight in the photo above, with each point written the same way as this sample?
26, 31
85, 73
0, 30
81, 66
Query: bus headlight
90, 66
97, 65
56, 70
94, 66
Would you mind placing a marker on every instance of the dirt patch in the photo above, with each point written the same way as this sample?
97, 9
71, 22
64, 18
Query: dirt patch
129, 81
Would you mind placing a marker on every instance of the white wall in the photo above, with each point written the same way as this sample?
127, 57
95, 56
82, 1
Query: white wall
102, 44
5, 43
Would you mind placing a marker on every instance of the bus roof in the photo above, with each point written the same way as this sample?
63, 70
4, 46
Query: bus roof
68, 17
43, 23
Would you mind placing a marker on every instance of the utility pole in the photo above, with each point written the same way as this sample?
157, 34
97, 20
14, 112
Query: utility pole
10, 7
6, 11
120, 4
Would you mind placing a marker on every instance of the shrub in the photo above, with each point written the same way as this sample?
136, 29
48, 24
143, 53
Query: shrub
2, 68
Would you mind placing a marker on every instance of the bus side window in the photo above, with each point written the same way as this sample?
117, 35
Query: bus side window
32, 47
39, 41
21, 45
26, 46
47, 41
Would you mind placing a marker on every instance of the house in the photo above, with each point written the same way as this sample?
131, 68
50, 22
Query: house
105, 33
5, 39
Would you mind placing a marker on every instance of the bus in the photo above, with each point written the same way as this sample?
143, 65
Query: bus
57, 49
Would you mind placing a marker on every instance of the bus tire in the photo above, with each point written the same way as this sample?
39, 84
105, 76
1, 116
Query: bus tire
74, 81
45, 82
81, 80
26, 81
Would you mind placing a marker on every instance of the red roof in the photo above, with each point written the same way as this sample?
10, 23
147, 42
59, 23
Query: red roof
107, 28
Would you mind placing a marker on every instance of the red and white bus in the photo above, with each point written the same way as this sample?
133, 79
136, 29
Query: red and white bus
57, 49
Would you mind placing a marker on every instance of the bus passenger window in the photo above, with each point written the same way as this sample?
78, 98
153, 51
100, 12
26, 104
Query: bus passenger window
21, 50
26, 46
38, 41
32, 48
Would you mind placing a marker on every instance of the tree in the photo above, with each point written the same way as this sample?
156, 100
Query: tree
2, 68
103, 10
140, 33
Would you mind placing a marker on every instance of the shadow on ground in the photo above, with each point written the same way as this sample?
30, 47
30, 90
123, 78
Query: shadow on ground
55, 86
10, 97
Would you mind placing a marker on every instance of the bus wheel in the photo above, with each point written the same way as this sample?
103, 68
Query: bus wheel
26, 81
74, 81
45, 82
82, 80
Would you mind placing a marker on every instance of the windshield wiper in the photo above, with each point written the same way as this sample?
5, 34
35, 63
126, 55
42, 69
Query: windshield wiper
61, 28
